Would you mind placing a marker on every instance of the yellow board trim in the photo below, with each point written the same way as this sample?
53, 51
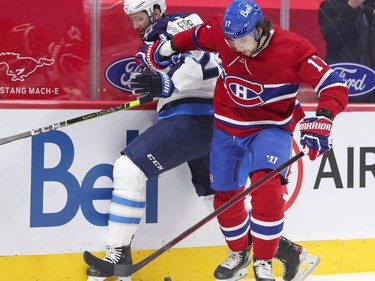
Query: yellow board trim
186, 264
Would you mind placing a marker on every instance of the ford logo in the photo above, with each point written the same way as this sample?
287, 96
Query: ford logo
118, 73
359, 78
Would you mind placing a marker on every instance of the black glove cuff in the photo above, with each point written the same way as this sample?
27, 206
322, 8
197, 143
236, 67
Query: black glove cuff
173, 45
324, 112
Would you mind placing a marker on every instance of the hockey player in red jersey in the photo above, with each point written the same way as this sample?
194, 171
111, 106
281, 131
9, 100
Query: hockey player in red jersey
187, 112
256, 111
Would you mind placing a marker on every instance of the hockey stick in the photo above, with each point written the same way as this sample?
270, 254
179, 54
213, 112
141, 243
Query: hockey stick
65, 123
123, 270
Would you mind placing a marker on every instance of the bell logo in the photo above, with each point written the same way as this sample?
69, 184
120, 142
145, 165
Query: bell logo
246, 12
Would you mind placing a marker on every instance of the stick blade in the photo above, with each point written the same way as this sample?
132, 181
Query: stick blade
125, 270
120, 270
99, 264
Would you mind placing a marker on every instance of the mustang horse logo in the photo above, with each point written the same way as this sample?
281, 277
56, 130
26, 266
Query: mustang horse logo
20, 67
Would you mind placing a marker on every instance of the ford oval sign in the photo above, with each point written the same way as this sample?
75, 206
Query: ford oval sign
359, 78
118, 73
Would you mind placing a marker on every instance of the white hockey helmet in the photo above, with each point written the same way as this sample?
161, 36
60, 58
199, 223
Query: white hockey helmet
134, 6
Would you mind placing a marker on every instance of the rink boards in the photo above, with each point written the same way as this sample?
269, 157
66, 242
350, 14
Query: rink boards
55, 191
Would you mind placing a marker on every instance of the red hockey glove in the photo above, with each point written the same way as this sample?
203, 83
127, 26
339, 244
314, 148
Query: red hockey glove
148, 56
315, 134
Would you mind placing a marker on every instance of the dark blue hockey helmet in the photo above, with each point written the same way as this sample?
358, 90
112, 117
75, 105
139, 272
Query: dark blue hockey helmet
241, 18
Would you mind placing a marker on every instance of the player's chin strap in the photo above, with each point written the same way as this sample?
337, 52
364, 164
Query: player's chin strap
123, 270
259, 47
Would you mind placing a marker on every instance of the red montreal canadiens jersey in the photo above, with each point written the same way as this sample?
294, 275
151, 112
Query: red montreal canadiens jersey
261, 91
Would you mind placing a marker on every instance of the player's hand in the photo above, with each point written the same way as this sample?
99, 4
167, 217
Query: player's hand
148, 56
178, 59
315, 134
151, 84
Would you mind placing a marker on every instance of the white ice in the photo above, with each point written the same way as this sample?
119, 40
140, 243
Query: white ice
363, 276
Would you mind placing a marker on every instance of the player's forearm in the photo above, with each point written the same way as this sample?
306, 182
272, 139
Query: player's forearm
180, 43
183, 41
334, 100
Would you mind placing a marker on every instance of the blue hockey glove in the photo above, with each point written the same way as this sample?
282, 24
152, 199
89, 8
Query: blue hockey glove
152, 84
315, 134
148, 56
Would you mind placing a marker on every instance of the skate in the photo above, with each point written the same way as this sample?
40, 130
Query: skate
263, 270
234, 267
292, 256
120, 255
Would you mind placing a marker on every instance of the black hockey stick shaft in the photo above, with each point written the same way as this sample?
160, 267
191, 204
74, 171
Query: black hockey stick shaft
65, 123
127, 270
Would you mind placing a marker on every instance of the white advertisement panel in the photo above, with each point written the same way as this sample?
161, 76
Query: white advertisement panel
55, 187
336, 200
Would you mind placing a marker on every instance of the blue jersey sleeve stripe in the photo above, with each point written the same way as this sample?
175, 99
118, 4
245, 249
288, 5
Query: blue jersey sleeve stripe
332, 80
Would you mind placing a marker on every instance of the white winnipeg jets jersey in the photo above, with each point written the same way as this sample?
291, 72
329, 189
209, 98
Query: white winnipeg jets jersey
194, 74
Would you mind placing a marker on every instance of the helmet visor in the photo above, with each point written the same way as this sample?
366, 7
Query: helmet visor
244, 43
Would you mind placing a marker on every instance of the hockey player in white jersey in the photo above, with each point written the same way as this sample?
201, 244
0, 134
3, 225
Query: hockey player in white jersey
184, 90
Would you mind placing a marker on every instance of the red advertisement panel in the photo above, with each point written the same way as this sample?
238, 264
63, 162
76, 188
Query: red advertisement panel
44, 49
84, 50
119, 43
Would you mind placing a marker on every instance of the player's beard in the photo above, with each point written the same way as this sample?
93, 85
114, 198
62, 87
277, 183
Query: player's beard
252, 48
249, 48
249, 52
141, 33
